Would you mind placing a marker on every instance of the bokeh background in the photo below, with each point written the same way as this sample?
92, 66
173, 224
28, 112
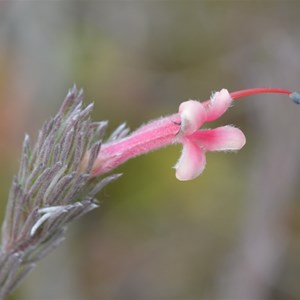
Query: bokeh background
233, 233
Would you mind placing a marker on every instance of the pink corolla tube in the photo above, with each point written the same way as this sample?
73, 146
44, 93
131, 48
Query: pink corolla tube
183, 128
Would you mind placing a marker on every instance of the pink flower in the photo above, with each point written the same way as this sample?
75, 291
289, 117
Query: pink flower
182, 127
196, 142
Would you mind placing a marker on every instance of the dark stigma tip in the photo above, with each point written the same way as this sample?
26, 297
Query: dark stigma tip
295, 97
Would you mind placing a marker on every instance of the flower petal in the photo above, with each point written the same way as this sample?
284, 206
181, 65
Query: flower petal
218, 104
191, 163
224, 138
193, 115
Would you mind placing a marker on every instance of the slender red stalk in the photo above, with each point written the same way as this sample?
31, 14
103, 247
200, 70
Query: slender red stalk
255, 91
261, 90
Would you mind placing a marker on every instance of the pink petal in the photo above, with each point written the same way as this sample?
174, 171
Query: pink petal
224, 138
193, 115
218, 104
191, 163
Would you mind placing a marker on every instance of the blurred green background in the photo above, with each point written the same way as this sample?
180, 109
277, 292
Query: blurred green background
233, 233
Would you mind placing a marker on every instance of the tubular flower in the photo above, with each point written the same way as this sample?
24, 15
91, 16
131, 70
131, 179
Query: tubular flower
182, 127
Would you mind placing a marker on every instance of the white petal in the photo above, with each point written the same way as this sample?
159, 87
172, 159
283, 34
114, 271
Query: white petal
218, 104
191, 163
193, 115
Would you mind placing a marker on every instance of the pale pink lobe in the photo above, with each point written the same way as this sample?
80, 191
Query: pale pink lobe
218, 104
193, 115
225, 138
191, 162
